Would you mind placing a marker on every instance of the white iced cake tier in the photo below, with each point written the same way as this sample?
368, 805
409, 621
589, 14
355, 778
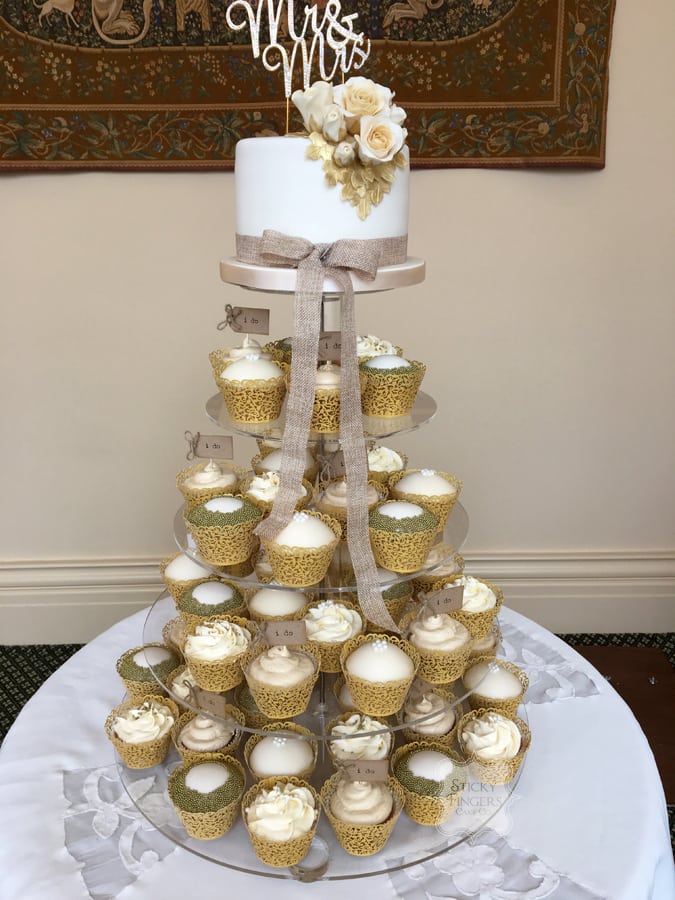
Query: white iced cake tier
277, 187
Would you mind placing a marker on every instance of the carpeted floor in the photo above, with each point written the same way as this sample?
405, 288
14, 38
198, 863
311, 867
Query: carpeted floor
24, 668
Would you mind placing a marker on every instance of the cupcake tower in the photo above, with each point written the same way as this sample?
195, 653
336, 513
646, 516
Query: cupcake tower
267, 632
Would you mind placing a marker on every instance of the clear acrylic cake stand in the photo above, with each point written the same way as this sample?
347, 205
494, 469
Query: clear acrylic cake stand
410, 843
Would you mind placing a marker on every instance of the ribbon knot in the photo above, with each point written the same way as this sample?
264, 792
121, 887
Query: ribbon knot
314, 262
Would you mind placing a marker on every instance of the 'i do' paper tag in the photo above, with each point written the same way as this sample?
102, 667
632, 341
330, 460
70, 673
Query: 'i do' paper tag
445, 600
330, 345
210, 446
246, 320
366, 770
287, 632
209, 702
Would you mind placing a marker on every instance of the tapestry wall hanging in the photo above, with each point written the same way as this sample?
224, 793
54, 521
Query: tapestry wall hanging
169, 84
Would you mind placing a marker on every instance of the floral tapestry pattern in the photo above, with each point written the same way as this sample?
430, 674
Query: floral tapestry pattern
162, 84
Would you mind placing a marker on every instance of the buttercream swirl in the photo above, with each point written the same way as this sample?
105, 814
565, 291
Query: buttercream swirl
214, 640
477, 595
210, 476
282, 813
423, 705
143, 723
328, 376
281, 666
383, 459
492, 736
371, 345
205, 735
438, 632
266, 487
335, 494
355, 739
330, 622
362, 802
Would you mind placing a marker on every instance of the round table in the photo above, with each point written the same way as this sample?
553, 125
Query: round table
586, 820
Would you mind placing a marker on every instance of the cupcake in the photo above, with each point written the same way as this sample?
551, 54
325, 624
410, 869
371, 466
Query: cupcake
357, 737
180, 683
281, 816
326, 409
390, 385
173, 634
216, 650
302, 551
332, 500
198, 737
222, 529
179, 572
487, 646
276, 604
245, 701
481, 602
430, 713
362, 813
401, 535
206, 796
432, 777
383, 462
142, 668
263, 489
329, 624
203, 481
379, 669
285, 750
281, 680
212, 597
281, 349
495, 683
441, 563
271, 462
442, 642
494, 744
140, 731
253, 389
437, 491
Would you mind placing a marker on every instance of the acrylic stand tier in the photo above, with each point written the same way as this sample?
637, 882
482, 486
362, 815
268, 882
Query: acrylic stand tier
410, 843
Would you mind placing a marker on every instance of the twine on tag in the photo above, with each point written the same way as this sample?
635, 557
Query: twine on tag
193, 441
231, 315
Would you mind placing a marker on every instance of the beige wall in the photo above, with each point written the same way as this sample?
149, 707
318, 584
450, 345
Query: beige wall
546, 321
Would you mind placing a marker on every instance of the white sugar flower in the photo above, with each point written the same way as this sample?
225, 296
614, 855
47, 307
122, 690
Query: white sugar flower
380, 139
344, 153
334, 128
313, 104
362, 97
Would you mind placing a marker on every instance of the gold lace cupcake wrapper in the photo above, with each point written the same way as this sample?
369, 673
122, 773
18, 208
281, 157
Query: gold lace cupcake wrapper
222, 674
149, 753
391, 394
284, 702
254, 401
291, 727
479, 623
225, 545
422, 808
404, 552
438, 666
494, 771
280, 854
441, 506
326, 411
362, 840
383, 698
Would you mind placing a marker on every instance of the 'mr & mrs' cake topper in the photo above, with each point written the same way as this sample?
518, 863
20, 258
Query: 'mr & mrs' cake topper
326, 40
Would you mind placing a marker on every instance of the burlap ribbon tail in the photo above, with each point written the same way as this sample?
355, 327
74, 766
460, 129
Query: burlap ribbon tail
315, 262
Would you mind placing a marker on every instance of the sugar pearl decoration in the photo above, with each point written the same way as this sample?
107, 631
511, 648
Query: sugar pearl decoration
388, 361
380, 660
427, 483
151, 656
206, 777
491, 680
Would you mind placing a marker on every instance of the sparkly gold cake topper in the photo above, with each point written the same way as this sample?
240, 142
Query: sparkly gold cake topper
326, 39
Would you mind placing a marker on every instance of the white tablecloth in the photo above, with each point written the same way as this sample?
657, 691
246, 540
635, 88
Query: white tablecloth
587, 818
